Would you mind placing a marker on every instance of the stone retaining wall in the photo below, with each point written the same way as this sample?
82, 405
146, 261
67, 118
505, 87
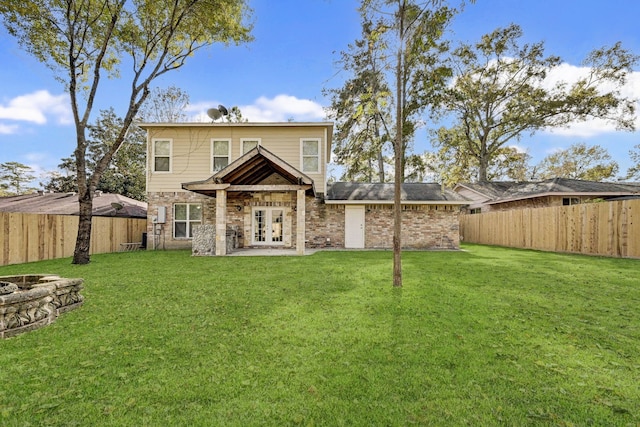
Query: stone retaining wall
37, 302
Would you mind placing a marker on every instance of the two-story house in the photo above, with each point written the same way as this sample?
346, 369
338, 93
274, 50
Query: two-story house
264, 185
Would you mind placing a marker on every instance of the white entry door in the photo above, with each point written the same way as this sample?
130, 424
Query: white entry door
268, 226
354, 227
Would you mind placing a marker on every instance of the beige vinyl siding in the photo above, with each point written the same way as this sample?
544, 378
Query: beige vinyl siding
192, 151
191, 159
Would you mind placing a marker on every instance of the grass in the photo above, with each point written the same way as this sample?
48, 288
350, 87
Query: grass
488, 336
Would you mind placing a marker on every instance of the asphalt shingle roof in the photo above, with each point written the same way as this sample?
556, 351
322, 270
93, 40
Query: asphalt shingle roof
500, 191
67, 204
411, 192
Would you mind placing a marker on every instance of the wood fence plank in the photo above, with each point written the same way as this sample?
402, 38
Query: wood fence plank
607, 228
33, 237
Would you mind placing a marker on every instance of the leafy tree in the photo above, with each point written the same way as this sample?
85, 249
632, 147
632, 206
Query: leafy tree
453, 163
126, 172
81, 41
579, 161
511, 164
361, 108
634, 171
235, 115
165, 105
13, 177
413, 48
65, 182
502, 89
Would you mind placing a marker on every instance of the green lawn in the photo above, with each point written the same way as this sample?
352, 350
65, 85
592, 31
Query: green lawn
486, 336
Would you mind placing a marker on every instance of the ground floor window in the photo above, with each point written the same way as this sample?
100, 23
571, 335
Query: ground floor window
185, 216
267, 226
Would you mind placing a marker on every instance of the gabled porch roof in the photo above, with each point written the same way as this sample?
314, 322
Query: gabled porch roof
257, 170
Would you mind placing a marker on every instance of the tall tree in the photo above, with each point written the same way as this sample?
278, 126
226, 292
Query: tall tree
13, 178
81, 41
165, 105
579, 161
502, 89
413, 32
63, 180
453, 163
362, 106
126, 172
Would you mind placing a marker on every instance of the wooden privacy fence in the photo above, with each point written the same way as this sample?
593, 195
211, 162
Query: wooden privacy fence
607, 228
35, 237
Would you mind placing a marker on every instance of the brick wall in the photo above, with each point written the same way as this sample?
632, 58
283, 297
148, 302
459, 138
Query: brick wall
424, 226
163, 236
324, 224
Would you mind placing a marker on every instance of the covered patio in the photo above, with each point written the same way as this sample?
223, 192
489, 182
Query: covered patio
256, 184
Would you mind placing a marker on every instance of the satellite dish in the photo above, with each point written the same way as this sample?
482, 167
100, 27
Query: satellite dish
116, 206
214, 113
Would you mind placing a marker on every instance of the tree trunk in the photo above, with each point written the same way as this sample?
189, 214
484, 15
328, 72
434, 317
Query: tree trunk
83, 240
483, 163
397, 185
380, 159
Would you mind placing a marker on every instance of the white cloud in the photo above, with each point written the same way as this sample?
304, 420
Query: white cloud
553, 150
8, 129
519, 148
281, 108
42, 163
37, 107
586, 129
571, 73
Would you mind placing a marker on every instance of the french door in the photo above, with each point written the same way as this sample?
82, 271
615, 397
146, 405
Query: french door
267, 226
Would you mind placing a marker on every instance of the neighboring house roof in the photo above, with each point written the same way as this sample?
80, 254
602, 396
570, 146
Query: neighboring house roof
383, 193
501, 192
488, 190
258, 166
104, 204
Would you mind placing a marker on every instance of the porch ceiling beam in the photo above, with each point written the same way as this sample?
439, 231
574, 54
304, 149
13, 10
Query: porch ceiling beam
269, 187
205, 186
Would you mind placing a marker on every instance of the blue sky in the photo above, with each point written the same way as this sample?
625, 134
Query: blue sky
282, 73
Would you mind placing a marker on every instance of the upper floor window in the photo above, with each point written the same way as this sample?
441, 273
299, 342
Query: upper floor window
185, 216
310, 155
249, 144
221, 154
162, 155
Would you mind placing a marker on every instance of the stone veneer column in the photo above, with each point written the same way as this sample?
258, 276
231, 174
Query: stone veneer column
300, 227
221, 222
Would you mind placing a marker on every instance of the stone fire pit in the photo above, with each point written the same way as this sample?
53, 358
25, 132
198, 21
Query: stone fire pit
29, 302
